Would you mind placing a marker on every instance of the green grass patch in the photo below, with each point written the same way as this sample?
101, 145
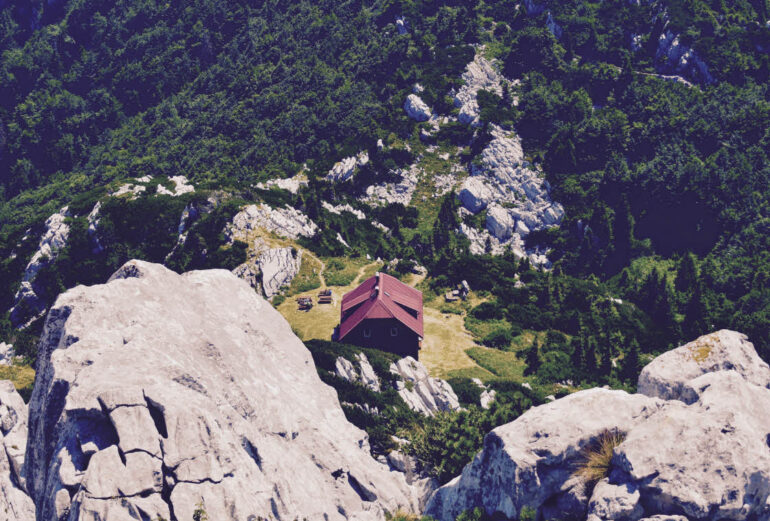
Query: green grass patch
502, 364
342, 271
307, 279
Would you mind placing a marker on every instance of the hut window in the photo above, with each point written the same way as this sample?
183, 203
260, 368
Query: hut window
367, 332
394, 331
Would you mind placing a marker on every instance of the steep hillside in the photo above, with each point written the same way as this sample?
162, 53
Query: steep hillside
595, 172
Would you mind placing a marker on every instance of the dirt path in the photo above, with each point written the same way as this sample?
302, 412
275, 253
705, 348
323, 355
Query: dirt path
361, 272
321, 277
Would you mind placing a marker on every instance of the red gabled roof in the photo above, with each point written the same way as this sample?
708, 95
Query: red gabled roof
382, 296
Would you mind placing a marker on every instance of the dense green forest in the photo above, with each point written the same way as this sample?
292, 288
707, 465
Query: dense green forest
663, 174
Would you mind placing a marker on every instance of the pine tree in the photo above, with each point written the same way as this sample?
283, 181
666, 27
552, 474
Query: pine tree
686, 274
631, 362
532, 358
578, 357
697, 313
590, 358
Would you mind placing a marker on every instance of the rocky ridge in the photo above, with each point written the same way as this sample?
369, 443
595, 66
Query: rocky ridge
514, 194
677, 458
28, 305
285, 222
145, 406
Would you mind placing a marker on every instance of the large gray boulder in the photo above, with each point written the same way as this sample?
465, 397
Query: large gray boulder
15, 504
697, 448
527, 463
157, 392
667, 376
416, 108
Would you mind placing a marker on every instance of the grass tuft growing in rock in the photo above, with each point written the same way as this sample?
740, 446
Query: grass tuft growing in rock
594, 463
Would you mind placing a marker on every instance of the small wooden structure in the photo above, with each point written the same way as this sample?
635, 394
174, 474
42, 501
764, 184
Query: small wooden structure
325, 296
304, 303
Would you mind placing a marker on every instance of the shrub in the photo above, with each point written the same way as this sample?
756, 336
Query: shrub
594, 463
499, 338
487, 311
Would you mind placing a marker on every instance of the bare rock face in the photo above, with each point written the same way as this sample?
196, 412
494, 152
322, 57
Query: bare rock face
420, 391
365, 373
279, 266
674, 57
14, 502
400, 191
516, 196
344, 169
697, 448
28, 305
479, 74
157, 392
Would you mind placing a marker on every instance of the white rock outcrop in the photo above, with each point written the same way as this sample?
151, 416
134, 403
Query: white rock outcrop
674, 57
420, 391
338, 209
286, 222
278, 266
181, 186
130, 189
157, 392
28, 305
400, 191
700, 453
487, 395
6, 354
290, 184
365, 374
344, 169
15, 504
480, 74
93, 228
516, 195
416, 108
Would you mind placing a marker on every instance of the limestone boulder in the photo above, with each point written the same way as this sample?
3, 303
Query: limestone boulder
363, 373
500, 222
667, 375
181, 186
286, 222
157, 392
697, 448
529, 462
416, 108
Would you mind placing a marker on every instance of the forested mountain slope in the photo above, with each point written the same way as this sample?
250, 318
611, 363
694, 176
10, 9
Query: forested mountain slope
635, 132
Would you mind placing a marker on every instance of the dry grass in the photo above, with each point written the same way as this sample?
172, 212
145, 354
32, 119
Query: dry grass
594, 463
445, 345
320, 321
22, 377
